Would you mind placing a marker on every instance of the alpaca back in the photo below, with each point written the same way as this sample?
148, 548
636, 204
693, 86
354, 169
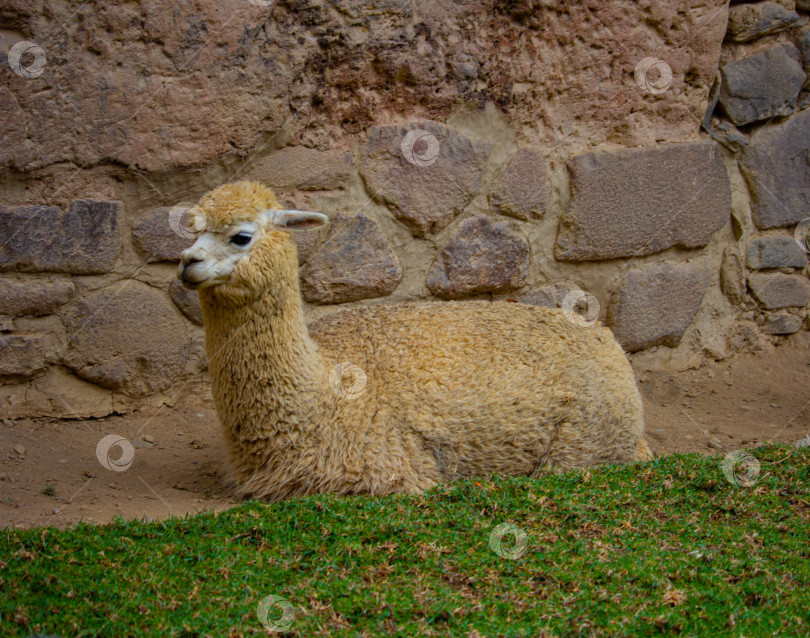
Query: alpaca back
486, 387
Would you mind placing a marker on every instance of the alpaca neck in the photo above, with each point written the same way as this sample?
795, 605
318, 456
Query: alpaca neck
265, 369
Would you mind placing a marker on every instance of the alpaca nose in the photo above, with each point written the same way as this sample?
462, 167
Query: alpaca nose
188, 257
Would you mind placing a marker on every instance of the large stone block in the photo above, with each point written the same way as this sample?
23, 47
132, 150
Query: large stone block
775, 252
33, 296
656, 304
22, 356
749, 21
161, 234
777, 290
522, 190
303, 168
628, 203
776, 166
84, 239
355, 261
425, 171
762, 86
480, 256
126, 337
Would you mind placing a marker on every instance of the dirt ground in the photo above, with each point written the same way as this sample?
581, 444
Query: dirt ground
50, 473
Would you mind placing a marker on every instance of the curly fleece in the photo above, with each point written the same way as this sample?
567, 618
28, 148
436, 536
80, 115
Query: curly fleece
399, 397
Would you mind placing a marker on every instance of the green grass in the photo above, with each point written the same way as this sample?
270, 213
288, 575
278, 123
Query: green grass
663, 548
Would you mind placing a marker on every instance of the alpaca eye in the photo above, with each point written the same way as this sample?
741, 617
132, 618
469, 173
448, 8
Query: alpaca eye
241, 239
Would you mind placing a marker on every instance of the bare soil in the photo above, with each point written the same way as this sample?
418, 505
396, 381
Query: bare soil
50, 473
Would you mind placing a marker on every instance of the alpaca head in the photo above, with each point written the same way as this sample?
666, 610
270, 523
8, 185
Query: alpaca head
243, 242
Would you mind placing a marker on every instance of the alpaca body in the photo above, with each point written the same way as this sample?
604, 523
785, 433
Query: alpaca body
531, 389
445, 389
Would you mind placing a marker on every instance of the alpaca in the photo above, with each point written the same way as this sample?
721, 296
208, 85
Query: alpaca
441, 390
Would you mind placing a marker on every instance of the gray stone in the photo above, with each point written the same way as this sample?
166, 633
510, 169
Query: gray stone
775, 252
778, 290
732, 282
6, 324
188, 301
628, 203
776, 166
22, 356
480, 256
355, 261
33, 295
656, 304
153, 234
84, 239
427, 176
781, 323
803, 44
727, 134
126, 337
549, 296
762, 86
303, 168
306, 242
749, 21
522, 190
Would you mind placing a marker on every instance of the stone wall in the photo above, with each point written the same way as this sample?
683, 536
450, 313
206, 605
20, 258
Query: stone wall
646, 166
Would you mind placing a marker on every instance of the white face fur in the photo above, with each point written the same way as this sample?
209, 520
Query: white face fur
212, 258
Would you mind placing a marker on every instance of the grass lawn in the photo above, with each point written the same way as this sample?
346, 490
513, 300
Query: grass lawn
669, 547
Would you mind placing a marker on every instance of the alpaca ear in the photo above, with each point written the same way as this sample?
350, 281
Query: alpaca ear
294, 219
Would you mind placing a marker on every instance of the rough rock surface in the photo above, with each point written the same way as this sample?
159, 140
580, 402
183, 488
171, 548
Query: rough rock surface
775, 252
161, 235
749, 21
480, 256
33, 295
656, 304
229, 73
781, 323
426, 171
22, 356
188, 301
522, 190
777, 290
732, 282
628, 203
550, 295
355, 261
762, 86
84, 239
126, 337
303, 168
776, 166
